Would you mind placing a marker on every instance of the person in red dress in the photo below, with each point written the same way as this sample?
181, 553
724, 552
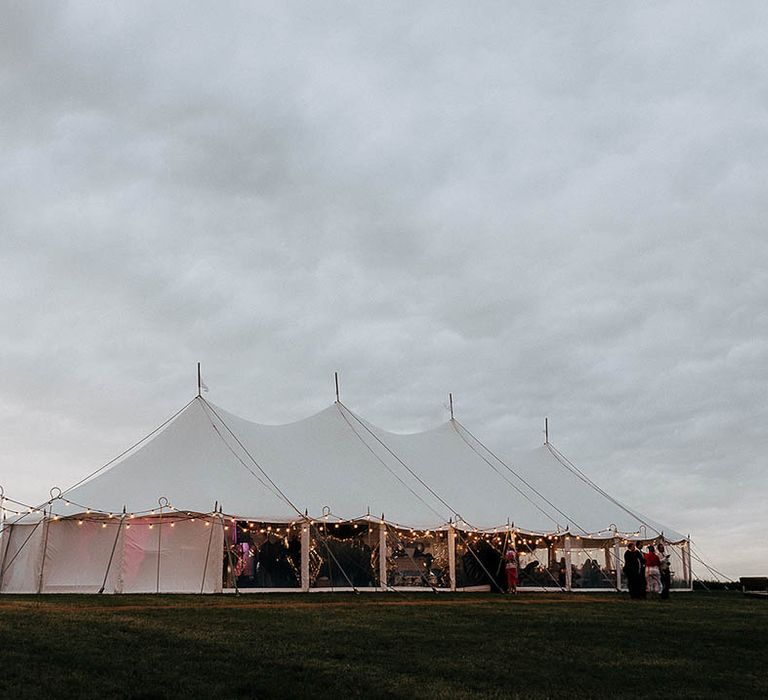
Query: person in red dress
652, 576
510, 557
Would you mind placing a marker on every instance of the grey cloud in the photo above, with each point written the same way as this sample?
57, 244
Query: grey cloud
546, 210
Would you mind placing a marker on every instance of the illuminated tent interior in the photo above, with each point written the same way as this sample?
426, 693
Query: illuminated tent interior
211, 502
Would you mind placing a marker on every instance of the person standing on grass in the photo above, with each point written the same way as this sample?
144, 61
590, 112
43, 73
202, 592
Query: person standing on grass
634, 565
665, 571
561, 569
510, 558
652, 577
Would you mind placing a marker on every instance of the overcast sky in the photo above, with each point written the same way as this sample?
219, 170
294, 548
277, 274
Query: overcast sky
548, 209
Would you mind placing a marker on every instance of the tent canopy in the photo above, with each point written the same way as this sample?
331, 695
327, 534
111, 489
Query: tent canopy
336, 462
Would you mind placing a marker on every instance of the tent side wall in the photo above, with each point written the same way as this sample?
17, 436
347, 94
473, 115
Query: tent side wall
21, 557
117, 555
183, 556
81, 556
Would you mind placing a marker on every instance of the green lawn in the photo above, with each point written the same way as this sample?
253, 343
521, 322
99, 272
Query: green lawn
431, 646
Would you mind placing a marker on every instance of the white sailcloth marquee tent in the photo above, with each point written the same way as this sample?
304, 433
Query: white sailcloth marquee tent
211, 502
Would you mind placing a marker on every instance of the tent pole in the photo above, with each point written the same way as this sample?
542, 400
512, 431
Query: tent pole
3, 535
199, 381
617, 557
382, 554
5, 542
568, 570
546, 431
112, 553
159, 548
450, 403
452, 555
46, 526
305, 545
229, 551
336, 379
687, 562
207, 556
120, 563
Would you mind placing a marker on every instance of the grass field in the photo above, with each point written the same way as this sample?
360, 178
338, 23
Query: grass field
447, 646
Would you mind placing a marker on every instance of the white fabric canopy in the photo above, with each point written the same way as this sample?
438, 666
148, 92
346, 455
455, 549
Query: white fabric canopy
335, 461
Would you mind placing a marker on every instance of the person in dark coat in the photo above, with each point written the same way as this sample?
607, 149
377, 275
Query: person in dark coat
634, 570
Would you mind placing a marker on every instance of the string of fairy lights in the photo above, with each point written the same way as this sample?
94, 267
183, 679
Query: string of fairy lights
165, 514
171, 515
